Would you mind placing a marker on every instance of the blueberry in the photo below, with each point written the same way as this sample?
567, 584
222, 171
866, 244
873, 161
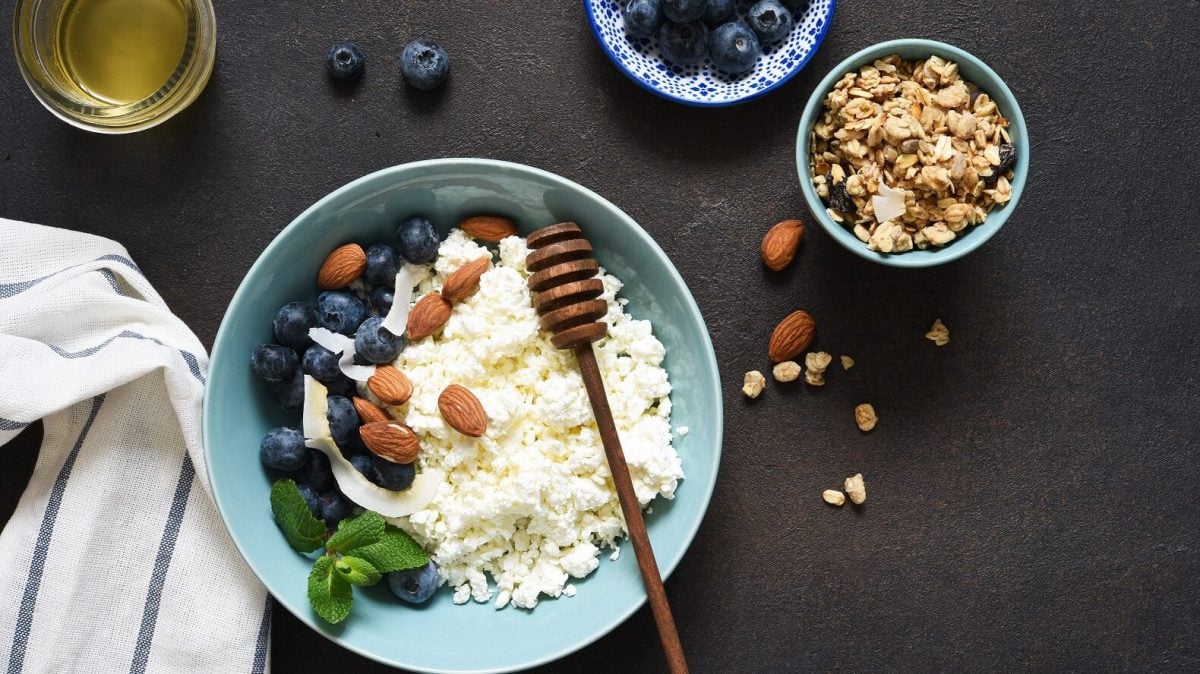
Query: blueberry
363, 464
345, 61
381, 265
292, 323
283, 449
353, 448
340, 311
311, 498
290, 393
683, 43
769, 20
381, 300
321, 363
417, 240
342, 386
273, 362
376, 344
425, 65
683, 11
734, 48
334, 507
343, 420
415, 586
393, 476
718, 12
796, 7
643, 17
316, 474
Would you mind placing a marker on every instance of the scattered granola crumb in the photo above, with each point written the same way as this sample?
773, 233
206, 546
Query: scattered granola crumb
864, 416
753, 383
788, 370
847, 362
856, 489
939, 334
816, 364
833, 497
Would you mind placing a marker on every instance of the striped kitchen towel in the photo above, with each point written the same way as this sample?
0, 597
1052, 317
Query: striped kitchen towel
116, 559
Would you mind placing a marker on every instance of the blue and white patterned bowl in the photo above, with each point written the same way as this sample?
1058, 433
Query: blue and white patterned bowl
703, 85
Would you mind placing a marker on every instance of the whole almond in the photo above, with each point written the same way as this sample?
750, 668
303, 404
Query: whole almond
428, 314
390, 385
780, 242
344, 265
791, 337
490, 228
369, 412
462, 411
391, 440
464, 280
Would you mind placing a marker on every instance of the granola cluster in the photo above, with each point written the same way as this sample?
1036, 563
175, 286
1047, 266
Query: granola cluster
909, 154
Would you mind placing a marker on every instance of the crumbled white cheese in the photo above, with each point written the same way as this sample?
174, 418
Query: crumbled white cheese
531, 503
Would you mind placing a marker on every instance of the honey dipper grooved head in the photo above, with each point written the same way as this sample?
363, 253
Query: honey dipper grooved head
565, 287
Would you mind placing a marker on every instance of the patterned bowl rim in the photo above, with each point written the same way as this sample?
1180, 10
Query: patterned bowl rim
820, 37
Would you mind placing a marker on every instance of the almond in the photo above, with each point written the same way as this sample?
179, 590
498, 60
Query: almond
464, 280
462, 411
428, 314
791, 337
390, 385
780, 243
391, 440
490, 228
369, 412
344, 265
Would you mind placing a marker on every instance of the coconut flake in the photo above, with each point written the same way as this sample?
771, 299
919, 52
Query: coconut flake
339, 343
396, 321
888, 204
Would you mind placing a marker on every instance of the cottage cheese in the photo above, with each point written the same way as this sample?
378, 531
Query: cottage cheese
529, 505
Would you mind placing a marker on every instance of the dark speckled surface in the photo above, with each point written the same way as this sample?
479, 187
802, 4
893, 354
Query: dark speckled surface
1033, 499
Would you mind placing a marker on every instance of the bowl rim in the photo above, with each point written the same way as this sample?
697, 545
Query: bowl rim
820, 38
220, 345
934, 257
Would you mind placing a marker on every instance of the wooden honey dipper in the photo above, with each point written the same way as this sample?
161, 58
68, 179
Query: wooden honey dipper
566, 297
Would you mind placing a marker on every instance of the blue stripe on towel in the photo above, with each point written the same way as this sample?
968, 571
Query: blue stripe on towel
10, 425
260, 647
8, 290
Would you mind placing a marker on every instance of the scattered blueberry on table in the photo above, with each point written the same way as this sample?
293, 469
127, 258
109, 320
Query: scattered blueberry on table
345, 62
424, 64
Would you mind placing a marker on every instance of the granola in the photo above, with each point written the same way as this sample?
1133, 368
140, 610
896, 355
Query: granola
908, 154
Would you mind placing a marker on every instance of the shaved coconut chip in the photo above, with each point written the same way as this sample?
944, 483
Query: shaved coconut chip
396, 322
350, 369
338, 343
352, 483
888, 204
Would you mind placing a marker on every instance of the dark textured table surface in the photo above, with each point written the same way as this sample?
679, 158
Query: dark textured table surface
1033, 485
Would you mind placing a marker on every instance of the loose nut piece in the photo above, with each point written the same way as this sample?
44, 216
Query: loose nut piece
833, 497
788, 370
939, 334
391, 440
791, 337
343, 266
780, 242
490, 228
753, 383
462, 411
390, 385
816, 364
428, 315
464, 280
864, 416
368, 411
847, 362
856, 489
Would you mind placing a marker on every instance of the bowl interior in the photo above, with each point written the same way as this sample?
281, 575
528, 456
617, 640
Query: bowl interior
972, 70
703, 84
239, 410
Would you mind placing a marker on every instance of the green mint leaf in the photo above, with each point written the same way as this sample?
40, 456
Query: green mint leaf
357, 571
303, 531
395, 551
355, 532
328, 592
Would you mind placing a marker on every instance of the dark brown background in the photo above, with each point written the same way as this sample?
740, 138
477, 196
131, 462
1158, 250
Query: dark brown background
1033, 485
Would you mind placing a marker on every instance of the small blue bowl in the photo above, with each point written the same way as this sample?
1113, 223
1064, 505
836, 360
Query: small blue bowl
703, 85
973, 70
238, 411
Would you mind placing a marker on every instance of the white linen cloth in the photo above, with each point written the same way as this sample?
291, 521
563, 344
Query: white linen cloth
116, 559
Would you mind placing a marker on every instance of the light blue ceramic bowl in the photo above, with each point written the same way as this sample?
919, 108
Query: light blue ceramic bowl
703, 85
238, 411
972, 70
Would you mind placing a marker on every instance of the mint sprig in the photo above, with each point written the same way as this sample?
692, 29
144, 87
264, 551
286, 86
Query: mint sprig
360, 552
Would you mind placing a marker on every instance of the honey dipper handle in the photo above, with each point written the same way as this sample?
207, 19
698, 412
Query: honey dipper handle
632, 510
